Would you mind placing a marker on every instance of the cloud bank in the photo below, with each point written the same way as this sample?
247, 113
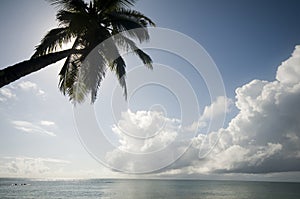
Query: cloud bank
29, 166
264, 137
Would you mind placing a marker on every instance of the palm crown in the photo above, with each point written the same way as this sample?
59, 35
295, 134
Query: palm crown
87, 25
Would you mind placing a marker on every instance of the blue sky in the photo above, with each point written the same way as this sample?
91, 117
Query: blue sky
247, 40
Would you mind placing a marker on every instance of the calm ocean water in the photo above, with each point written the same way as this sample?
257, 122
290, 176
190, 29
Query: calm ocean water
140, 189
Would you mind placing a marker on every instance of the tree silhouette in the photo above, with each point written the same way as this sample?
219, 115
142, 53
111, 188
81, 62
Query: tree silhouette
86, 25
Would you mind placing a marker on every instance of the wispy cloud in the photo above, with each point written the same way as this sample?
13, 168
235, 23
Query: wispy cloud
29, 127
47, 123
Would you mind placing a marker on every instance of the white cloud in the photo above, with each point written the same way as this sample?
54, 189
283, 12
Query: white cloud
212, 115
29, 127
217, 108
47, 123
142, 132
29, 166
28, 85
6, 94
262, 138
288, 72
145, 131
51, 168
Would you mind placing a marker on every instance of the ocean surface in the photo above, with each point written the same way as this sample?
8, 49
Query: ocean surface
140, 189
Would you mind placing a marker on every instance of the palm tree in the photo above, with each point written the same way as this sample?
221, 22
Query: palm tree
86, 25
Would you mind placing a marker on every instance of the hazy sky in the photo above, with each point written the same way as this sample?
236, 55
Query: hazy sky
252, 43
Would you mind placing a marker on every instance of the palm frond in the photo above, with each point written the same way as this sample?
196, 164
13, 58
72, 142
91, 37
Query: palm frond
78, 91
64, 70
129, 45
132, 26
53, 39
136, 14
91, 24
146, 59
76, 21
124, 20
116, 63
110, 5
68, 73
119, 69
68, 82
71, 5
93, 71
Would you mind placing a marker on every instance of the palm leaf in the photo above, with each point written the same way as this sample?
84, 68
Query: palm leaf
77, 22
93, 71
129, 45
78, 90
72, 5
53, 39
90, 25
110, 5
67, 68
131, 27
116, 63
137, 15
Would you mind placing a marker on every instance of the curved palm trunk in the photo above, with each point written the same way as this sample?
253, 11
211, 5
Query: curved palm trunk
12, 73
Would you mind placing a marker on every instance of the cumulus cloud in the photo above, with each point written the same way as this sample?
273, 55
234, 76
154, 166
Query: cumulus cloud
142, 132
30, 127
264, 136
217, 108
213, 116
145, 131
288, 72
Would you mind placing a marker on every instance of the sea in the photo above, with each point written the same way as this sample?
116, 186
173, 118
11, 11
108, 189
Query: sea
148, 189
